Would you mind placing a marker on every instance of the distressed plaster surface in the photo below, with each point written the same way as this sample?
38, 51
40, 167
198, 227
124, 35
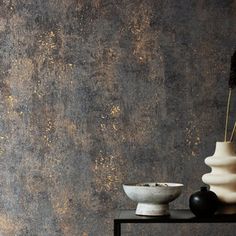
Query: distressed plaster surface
97, 93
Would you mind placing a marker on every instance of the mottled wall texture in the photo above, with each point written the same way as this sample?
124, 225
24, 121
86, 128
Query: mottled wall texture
95, 93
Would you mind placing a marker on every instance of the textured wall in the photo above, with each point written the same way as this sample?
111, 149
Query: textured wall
97, 93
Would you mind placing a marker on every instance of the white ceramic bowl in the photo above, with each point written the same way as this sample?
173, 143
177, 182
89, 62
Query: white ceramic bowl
153, 199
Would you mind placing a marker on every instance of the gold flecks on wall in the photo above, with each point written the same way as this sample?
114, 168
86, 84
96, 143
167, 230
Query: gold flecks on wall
3, 23
107, 173
9, 226
115, 110
97, 93
193, 139
47, 44
10, 101
2, 151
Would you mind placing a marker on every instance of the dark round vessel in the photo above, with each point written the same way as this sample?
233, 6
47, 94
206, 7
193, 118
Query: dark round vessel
203, 203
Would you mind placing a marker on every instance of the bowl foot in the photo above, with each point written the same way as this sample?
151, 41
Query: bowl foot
148, 209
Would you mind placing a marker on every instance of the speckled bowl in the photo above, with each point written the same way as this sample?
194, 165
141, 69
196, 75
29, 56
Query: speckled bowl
153, 200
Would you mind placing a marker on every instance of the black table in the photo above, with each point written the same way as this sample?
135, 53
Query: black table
176, 216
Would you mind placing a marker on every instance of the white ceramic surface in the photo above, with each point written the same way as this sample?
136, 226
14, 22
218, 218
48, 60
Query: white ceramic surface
153, 200
222, 178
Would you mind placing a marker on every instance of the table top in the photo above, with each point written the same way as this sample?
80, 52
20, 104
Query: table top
176, 216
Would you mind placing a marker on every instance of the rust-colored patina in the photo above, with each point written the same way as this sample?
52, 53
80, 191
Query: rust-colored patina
97, 93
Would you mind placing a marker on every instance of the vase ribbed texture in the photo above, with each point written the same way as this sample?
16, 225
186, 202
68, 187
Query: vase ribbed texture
222, 178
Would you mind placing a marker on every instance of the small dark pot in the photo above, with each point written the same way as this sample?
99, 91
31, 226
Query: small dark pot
203, 203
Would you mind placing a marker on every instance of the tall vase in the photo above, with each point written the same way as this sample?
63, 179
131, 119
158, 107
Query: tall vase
222, 178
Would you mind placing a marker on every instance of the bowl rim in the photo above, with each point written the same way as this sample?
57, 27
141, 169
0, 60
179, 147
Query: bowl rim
170, 185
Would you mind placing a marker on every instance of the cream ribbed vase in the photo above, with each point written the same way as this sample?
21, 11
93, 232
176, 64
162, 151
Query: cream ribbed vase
222, 178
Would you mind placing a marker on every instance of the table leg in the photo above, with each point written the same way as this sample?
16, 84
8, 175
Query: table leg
117, 228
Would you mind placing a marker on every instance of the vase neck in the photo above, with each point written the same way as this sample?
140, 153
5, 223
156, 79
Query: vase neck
224, 148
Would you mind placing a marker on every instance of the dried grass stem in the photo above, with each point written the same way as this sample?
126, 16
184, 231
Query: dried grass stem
227, 114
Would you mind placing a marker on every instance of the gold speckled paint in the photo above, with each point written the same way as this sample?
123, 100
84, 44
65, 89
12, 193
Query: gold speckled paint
97, 93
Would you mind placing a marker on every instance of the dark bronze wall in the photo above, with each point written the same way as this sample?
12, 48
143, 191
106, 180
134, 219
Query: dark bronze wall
102, 92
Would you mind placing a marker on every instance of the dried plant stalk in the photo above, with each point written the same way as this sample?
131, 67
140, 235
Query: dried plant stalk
232, 85
233, 131
227, 115
232, 76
